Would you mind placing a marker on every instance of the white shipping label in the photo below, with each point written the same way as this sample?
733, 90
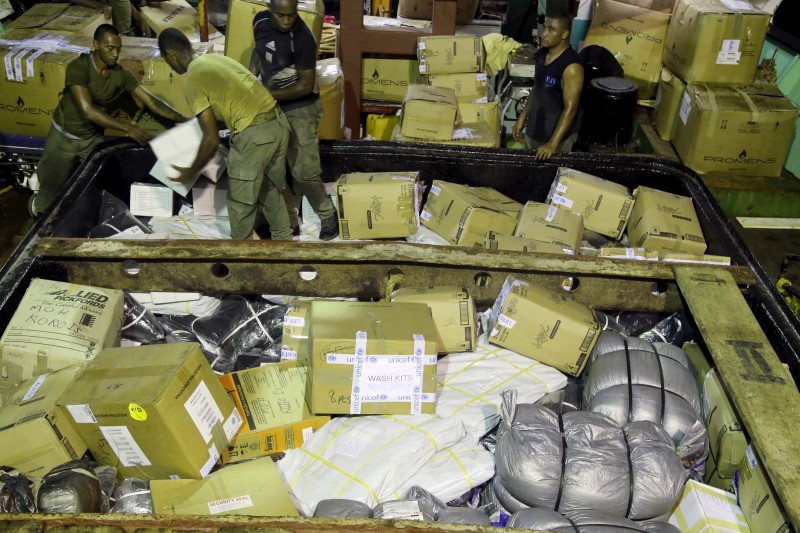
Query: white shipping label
82, 414
482, 77
401, 510
421, 45
562, 200
505, 321
561, 187
403, 178
729, 52
34, 388
388, 377
307, 432
751, 457
551, 213
203, 410
630, 253
232, 425
423, 68
230, 504
425, 216
213, 457
686, 107
287, 354
738, 5
297, 321
436, 190
124, 445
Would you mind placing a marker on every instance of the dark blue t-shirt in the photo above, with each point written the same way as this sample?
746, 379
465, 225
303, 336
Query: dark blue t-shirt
548, 96
283, 54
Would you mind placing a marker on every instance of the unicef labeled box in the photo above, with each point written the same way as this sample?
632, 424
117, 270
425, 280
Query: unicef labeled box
372, 358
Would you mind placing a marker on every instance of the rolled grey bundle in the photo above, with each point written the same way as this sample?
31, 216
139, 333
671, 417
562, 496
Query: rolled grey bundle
656, 526
463, 515
342, 508
576, 522
631, 379
553, 462
404, 509
505, 498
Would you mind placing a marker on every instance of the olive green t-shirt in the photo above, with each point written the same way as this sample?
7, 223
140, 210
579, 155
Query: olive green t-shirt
104, 91
230, 90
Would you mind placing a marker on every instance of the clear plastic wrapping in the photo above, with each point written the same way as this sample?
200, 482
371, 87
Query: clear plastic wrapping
139, 324
132, 496
71, 488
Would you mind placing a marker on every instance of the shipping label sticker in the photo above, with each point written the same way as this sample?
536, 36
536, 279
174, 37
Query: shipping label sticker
230, 504
506, 322
751, 457
124, 445
561, 187
551, 213
213, 457
482, 79
426, 216
137, 412
686, 107
232, 425
203, 410
34, 388
387, 377
729, 52
287, 354
630, 253
306, 433
436, 190
401, 510
562, 200
297, 321
421, 45
82, 414
738, 5
403, 178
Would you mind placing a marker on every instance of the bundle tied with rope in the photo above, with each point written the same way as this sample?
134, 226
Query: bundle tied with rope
585, 461
631, 379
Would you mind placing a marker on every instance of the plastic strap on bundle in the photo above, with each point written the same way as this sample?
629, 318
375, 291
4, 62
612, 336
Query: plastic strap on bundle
573, 524
630, 382
630, 475
563, 461
663, 392
254, 317
616, 527
135, 320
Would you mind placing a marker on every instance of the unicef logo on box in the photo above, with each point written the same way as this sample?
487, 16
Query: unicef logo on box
416, 390
418, 352
356, 389
331, 358
373, 359
360, 352
384, 397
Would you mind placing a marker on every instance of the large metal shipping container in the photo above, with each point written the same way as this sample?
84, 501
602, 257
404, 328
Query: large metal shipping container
744, 324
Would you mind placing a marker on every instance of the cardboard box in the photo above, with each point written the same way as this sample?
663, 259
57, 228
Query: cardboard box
210, 199
498, 241
388, 79
680, 257
423, 9
247, 445
57, 325
296, 327
469, 87
637, 254
543, 325
252, 489
448, 54
389, 348
176, 14
61, 18
453, 313
715, 41
668, 104
604, 205
429, 113
665, 6
463, 214
153, 412
760, 505
330, 79
151, 200
28, 101
635, 36
240, 41
712, 477
30, 417
737, 130
551, 224
664, 221
706, 509
378, 205
726, 438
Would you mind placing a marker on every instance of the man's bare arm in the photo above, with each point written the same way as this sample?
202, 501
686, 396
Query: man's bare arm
571, 86
157, 105
97, 115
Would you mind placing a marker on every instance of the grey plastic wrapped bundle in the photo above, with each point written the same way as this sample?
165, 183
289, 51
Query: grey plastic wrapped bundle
578, 522
342, 508
632, 379
132, 496
559, 462
463, 515
140, 325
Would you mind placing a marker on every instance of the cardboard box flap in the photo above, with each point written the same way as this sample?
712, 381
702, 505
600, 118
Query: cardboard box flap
427, 93
725, 7
39, 15
26, 403
756, 99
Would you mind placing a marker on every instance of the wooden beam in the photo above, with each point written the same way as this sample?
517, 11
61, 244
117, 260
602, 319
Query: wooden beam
766, 399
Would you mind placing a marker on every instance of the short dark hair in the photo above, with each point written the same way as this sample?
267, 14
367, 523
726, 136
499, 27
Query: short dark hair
102, 30
563, 19
173, 39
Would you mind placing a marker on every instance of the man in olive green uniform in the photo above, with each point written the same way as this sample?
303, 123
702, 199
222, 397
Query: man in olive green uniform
219, 87
92, 82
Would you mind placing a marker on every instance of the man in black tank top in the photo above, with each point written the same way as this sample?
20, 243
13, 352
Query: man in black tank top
551, 116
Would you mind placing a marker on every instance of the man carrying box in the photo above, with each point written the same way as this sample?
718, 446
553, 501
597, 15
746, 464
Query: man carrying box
218, 86
285, 55
92, 82
550, 117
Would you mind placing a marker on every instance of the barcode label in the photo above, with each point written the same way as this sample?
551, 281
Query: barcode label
626, 207
203, 410
34, 388
463, 311
587, 340
124, 445
82, 414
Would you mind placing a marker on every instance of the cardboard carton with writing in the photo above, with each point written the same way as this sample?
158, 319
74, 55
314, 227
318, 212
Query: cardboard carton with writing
543, 325
296, 326
152, 412
448, 54
604, 205
704, 508
387, 79
463, 214
59, 324
760, 504
499, 241
551, 224
60, 18
30, 417
727, 442
429, 112
635, 36
453, 315
665, 222
715, 41
741, 130
372, 358
469, 87
378, 205
668, 104
176, 14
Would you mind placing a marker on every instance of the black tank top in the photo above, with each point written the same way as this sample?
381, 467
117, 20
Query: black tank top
548, 96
